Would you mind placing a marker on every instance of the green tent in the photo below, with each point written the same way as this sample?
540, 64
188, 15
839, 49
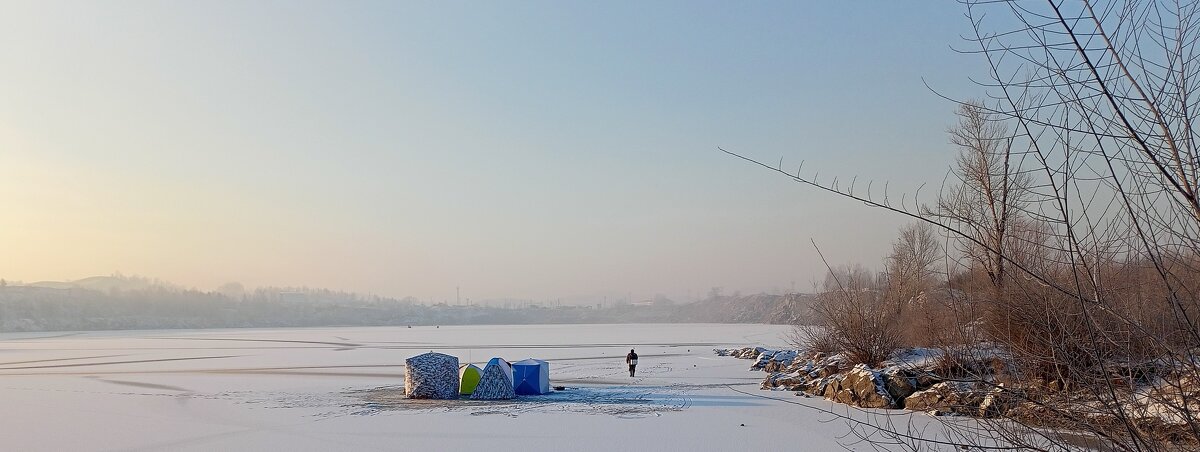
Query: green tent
468, 376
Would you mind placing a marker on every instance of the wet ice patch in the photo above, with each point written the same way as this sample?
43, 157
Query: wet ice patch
619, 401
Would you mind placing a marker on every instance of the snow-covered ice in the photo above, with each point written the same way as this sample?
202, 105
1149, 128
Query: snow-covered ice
343, 389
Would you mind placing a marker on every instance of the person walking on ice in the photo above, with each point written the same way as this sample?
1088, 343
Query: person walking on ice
631, 359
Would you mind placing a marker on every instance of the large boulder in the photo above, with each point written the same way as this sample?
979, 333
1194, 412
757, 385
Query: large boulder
431, 376
772, 380
817, 386
744, 352
774, 360
774, 366
824, 370
748, 353
946, 397
800, 365
762, 359
925, 379
926, 400
999, 400
899, 383
785, 357
788, 381
860, 386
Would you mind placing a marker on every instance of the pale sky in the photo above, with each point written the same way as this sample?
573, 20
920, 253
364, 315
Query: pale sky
514, 149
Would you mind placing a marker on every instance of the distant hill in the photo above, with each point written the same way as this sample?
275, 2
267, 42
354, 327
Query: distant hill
106, 284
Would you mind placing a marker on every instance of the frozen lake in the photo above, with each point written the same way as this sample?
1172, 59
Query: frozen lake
341, 389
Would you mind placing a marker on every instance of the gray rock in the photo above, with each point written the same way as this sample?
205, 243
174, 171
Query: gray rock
898, 383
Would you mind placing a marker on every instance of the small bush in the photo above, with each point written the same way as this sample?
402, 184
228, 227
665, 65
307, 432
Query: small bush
812, 340
857, 319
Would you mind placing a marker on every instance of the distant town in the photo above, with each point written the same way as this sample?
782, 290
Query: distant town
121, 302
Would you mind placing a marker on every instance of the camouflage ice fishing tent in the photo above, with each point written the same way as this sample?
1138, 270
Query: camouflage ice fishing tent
431, 376
496, 382
531, 377
468, 378
504, 365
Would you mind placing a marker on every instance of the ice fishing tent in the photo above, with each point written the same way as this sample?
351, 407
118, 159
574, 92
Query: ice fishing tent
468, 378
496, 382
431, 376
505, 366
531, 377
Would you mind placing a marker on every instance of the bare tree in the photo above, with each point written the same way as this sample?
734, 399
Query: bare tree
910, 266
991, 190
1078, 197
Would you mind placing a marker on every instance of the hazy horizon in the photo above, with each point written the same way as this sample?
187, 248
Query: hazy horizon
526, 150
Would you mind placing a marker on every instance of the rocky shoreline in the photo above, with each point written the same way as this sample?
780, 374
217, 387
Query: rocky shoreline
906, 382
913, 381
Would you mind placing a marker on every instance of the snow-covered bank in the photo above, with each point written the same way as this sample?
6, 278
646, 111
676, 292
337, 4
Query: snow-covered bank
337, 389
989, 387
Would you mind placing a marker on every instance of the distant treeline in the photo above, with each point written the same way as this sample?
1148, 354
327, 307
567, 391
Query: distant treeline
26, 308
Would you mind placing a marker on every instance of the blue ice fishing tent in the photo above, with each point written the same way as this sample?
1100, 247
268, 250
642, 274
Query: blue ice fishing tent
531, 377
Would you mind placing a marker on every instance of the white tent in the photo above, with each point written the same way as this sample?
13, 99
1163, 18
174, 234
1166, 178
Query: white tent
431, 376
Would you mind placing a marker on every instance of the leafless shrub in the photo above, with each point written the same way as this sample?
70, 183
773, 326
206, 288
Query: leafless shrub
858, 318
812, 340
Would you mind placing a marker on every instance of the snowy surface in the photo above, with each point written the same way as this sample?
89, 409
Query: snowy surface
342, 389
